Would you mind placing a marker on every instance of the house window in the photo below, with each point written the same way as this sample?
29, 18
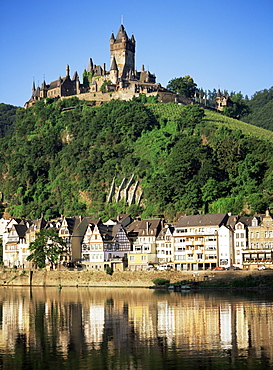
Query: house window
143, 258
132, 258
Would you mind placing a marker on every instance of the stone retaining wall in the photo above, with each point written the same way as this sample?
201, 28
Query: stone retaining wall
11, 277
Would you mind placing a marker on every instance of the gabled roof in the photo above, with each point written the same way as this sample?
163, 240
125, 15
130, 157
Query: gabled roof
37, 225
202, 220
164, 231
109, 232
80, 230
72, 223
145, 227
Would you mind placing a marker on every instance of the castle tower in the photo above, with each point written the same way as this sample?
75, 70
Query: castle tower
123, 50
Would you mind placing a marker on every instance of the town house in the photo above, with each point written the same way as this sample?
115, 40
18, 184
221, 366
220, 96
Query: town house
14, 241
260, 245
143, 234
196, 241
105, 245
164, 245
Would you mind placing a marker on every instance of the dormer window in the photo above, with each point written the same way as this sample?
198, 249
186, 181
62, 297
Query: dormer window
254, 222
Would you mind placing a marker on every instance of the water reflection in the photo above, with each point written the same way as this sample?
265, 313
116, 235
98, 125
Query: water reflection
106, 328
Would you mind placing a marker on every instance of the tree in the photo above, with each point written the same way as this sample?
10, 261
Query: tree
190, 116
183, 85
48, 246
240, 106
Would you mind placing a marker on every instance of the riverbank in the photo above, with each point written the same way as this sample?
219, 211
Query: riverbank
12, 277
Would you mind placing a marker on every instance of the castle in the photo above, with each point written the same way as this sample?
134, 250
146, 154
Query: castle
122, 81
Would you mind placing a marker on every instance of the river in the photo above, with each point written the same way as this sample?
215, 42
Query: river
122, 328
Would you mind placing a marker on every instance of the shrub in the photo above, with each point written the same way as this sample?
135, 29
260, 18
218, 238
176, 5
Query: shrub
108, 270
161, 281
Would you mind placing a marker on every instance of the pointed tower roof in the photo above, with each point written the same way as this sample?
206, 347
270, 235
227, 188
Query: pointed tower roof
114, 66
90, 65
121, 34
43, 86
112, 36
75, 76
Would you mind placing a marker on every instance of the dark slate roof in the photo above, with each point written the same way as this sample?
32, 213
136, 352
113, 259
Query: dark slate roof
114, 66
54, 84
90, 65
145, 227
121, 33
232, 220
82, 226
72, 223
38, 224
21, 230
217, 219
75, 76
109, 232
247, 221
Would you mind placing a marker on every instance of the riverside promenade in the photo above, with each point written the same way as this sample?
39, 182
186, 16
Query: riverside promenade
84, 278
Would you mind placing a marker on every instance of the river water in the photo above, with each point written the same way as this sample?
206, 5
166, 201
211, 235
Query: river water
121, 328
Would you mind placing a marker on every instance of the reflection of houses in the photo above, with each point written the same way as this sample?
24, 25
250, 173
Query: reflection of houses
143, 233
196, 241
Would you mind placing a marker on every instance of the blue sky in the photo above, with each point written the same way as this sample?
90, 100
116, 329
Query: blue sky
226, 45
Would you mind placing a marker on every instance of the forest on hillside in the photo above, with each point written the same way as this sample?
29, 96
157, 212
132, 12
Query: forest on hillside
62, 161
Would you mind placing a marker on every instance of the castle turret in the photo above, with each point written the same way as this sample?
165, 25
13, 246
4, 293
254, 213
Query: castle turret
123, 50
76, 81
114, 71
43, 92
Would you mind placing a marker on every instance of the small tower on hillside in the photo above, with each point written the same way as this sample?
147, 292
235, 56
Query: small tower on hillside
223, 100
123, 50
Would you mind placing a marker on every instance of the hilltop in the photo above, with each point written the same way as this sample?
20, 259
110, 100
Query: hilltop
64, 157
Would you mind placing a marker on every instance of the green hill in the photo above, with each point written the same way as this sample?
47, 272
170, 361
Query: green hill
63, 156
261, 109
7, 118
